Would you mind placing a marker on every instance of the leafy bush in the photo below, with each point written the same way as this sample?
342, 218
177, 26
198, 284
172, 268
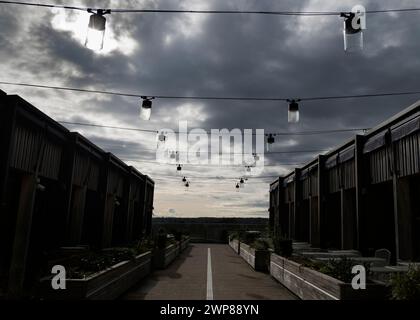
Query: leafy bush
94, 262
341, 269
250, 236
177, 235
261, 244
234, 235
308, 263
144, 245
161, 239
406, 286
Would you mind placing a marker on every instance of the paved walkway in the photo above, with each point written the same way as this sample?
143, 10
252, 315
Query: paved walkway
192, 277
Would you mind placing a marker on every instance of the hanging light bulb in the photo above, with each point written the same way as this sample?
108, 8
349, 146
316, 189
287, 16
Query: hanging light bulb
293, 114
270, 140
248, 169
354, 24
242, 183
96, 29
237, 187
187, 184
172, 156
184, 179
179, 168
256, 157
162, 137
146, 108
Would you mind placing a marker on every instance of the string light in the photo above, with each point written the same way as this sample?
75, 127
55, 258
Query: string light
147, 103
353, 36
146, 108
96, 29
280, 13
354, 24
269, 140
174, 155
293, 114
162, 137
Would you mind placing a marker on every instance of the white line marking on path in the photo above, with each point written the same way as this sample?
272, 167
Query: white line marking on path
209, 277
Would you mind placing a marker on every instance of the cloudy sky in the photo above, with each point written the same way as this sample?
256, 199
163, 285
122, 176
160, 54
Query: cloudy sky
212, 55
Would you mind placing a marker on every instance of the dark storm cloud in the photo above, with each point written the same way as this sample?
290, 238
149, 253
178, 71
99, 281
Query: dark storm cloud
220, 55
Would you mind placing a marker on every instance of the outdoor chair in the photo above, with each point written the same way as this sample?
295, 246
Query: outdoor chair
383, 254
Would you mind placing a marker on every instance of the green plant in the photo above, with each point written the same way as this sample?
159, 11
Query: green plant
177, 235
261, 244
144, 245
283, 247
161, 239
341, 269
250, 236
93, 262
234, 235
406, 286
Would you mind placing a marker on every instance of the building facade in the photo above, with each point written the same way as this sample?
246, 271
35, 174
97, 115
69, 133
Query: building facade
363, 195
57, 189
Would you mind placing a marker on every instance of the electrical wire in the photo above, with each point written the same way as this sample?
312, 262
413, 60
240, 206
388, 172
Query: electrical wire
242, 153
207, 165
209, 132
107, 127
115, 93
279, 13
233, 178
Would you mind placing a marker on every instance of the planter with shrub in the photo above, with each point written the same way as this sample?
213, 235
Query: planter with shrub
183, 243
102, 275
406, 285
234, 242
166, 250
257, 255
319, 281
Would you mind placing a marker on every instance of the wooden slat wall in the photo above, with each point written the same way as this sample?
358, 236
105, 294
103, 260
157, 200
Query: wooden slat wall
310, 184
289, 192
314, 182
348, 174
115, 183
51, 161
81, 170
27, 146
306, 187
407, 152
341, 176
379, 165
333, 184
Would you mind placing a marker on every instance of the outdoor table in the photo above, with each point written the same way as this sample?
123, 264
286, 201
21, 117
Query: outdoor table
379, 262
327, 255
362, 260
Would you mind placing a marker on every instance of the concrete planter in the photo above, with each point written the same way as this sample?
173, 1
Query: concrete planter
235, 245
163, 257
257, 259
183, 244
309, 284
105, 285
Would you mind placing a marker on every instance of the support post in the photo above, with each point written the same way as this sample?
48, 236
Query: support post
321, 200
22, 235
360, 183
